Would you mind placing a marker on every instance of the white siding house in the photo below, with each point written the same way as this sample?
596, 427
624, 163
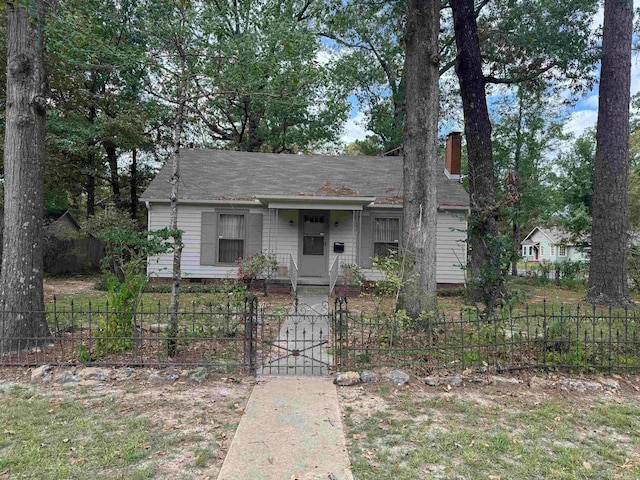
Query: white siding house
313, 213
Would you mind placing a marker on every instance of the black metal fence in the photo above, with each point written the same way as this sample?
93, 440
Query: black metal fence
547, 338
209, 335
233, 335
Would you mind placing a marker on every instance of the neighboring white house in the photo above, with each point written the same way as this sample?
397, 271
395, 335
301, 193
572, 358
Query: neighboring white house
552, 245
313, 213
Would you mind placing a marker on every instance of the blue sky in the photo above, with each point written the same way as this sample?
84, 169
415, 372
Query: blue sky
581, 117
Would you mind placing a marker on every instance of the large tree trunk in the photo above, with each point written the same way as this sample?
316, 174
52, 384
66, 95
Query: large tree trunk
133, 189
114, 179
21, 281
608, 273
484, 264
420, 155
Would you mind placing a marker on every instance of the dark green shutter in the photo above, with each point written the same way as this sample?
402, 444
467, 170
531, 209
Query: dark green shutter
208, 238
254, 233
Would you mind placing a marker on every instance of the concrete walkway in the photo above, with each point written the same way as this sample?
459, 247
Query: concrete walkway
291, 429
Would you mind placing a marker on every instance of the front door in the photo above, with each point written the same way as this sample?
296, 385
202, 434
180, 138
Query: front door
313, 242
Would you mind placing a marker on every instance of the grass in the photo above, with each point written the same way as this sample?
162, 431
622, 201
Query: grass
52, 439
511, 438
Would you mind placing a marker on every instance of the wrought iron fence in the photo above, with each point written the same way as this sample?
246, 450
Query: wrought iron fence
233, 336
548, 338
210, 335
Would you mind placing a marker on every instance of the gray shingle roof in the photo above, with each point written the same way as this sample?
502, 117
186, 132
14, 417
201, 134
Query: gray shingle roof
218, 174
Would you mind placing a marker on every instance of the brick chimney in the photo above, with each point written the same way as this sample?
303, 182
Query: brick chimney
453, 156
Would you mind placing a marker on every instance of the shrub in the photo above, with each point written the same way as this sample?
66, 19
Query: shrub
257, 266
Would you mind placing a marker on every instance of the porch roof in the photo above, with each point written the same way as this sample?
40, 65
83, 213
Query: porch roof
315, 203
214, 175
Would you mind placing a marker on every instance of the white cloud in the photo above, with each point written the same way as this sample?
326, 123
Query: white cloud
354, 129
581, 120
591, 101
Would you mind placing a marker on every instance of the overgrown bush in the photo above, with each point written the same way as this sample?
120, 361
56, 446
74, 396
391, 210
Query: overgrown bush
126, 255
257, 266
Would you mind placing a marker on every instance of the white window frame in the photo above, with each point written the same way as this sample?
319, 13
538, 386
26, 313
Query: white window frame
542, 250
553, 250
562, 250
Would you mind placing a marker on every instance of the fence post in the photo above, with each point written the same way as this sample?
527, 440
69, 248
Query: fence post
250, 324
339, 328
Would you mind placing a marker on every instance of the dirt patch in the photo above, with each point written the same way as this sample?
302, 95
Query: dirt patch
200, 419
60, 287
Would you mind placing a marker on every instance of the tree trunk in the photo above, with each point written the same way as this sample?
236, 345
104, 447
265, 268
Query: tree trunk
114, 179
91, 185
420, 155
21, 281
173, 222
608, 272
134, 184
484, 248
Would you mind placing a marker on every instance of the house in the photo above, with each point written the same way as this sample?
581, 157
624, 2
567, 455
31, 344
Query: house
315, 214
552, 245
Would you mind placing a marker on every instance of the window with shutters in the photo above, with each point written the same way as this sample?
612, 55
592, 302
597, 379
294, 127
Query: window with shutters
231, 237
386, 236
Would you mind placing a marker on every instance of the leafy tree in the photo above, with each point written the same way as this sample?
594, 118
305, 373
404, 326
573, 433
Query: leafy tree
573, 181
264, 86
21, 279
525, 132
420, 155
608, 274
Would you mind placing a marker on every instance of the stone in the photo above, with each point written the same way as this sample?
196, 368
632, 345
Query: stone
367, 376
68, 377
125, 373
432, 381
347, 379
505, 381
453, 381
198, 375
537, 383
398, 377
41, 374
169, 376
93, 373
610, 384
593, 386
573, 384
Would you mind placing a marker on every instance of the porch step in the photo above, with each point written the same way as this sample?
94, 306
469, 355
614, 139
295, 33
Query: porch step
312, 290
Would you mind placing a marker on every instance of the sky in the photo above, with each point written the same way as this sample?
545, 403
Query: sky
583, 116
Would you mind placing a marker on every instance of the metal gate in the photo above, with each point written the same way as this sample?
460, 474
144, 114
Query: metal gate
296, 343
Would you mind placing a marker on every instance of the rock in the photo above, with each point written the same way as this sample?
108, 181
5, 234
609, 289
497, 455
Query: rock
68, 377
156, 327
610, 384
41, 374
93, 373
573, 384
453, 381
593, 386
367, 376
432, 381
398, 377
169, 376
505, 381
198, 375
125, 373
347, 379
437, 381
537, 383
